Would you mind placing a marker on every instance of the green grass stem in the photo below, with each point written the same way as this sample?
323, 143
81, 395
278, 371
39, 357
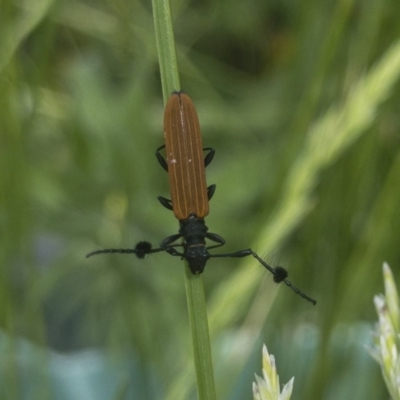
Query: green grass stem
194, 283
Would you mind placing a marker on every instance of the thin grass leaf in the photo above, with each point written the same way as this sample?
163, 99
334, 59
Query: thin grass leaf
326, 141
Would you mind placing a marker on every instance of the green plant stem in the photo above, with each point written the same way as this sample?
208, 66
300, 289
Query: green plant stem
200, 335
166, 48
194, 283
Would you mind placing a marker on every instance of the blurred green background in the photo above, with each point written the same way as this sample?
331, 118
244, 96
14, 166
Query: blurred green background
81, 116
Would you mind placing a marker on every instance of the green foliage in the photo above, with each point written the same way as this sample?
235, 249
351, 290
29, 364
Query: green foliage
300, 101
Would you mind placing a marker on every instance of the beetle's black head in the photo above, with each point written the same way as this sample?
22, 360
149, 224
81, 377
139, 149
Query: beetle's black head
197, 257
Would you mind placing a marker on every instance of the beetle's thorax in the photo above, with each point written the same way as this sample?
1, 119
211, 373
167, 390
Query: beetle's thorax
193, 231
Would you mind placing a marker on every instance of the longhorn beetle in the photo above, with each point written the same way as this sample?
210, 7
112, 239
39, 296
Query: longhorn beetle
190, 195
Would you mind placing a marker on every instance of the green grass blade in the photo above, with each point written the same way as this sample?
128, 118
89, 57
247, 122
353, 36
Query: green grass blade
194, 283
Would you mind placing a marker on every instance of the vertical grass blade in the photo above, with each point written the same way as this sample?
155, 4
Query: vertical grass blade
194, 283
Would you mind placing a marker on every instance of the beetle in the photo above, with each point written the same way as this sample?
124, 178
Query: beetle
185, 164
